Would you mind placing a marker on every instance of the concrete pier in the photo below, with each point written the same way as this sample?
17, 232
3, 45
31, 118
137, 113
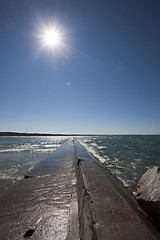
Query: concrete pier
43, 206
68, 196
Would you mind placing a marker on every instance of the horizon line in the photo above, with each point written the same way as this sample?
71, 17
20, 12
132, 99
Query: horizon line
14, 133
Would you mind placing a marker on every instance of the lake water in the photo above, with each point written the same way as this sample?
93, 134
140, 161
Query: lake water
20, 154
127, 157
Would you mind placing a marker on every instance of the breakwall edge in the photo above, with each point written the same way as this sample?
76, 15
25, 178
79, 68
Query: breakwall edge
106, 210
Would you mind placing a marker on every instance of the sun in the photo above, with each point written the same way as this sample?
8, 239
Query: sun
52, 38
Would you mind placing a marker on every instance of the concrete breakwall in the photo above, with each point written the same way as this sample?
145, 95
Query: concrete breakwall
68, 196
105, 210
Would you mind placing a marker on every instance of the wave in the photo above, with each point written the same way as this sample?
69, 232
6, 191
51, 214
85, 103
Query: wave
111, 165
93, 152
101, 147
31, 148
27, 150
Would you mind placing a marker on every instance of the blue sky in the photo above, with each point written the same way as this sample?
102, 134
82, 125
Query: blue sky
106, 80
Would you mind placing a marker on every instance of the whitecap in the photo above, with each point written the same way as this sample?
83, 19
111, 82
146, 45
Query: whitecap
101, 147
93, 152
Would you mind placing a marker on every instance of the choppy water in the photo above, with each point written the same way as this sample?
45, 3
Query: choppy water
127, 157
19, 154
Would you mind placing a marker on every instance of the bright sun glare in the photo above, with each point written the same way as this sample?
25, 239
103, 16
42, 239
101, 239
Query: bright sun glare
52, 38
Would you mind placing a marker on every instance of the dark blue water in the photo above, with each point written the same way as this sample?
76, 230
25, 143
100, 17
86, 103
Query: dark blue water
127, 157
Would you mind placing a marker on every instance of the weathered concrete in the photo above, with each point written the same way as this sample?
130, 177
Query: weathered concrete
45, 204
104, 213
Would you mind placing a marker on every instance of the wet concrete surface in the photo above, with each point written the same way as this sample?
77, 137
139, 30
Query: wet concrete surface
64, 197
43, 207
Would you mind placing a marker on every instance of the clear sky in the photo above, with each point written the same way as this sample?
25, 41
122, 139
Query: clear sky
104, 77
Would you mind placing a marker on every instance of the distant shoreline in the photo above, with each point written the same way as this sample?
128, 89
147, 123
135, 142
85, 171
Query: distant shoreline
72, 135
43, 134
36, 134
